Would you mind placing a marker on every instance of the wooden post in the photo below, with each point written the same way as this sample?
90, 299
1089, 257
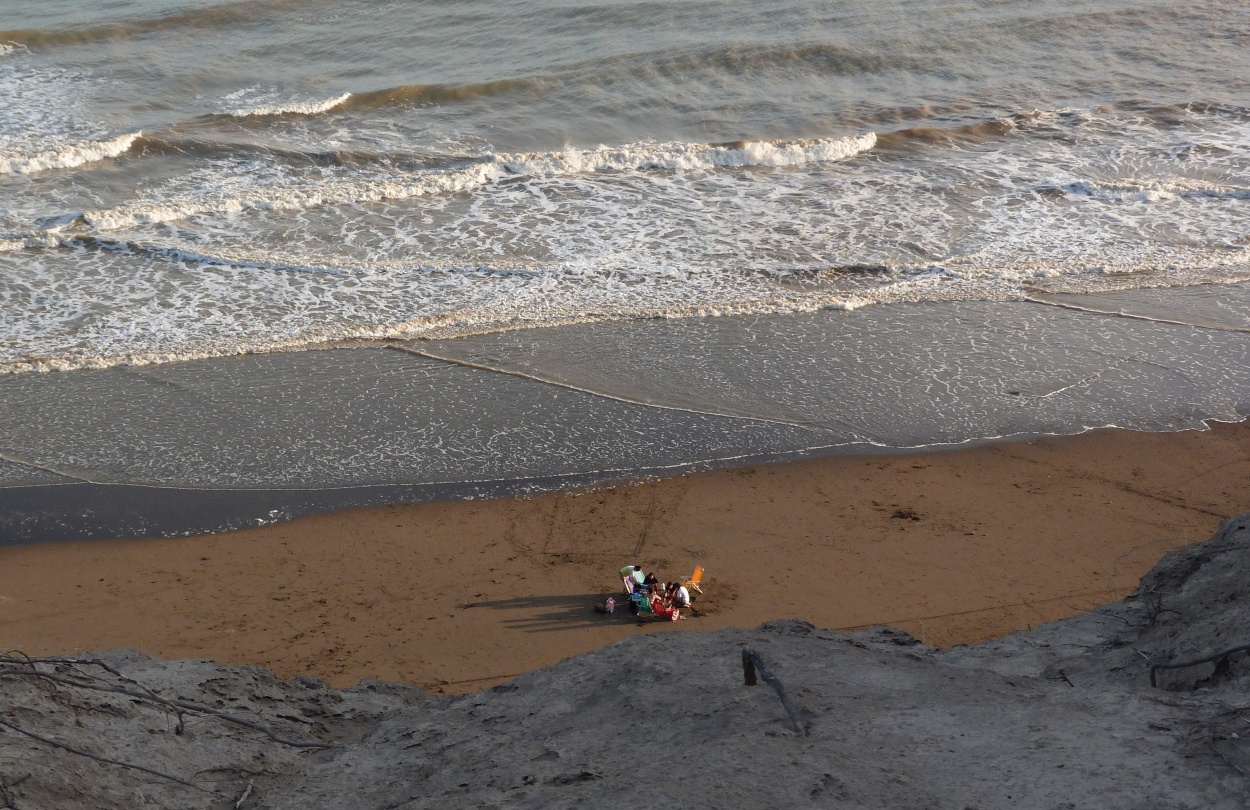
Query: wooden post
750, 662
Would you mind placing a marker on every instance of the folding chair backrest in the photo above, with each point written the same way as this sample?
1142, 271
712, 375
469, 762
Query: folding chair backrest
695, 579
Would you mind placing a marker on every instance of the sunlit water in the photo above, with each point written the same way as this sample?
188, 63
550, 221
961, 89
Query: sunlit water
184, 180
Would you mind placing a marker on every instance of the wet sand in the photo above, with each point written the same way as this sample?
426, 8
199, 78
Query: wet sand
953, 546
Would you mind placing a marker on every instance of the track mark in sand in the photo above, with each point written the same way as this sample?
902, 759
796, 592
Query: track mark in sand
1179, 504
512, 535
664, 502
1125, 486
1106, 595
551, 525
646, 525
1210, 470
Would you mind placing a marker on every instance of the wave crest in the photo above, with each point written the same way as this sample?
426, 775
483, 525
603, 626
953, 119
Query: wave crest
292, 107
678, 156
277, 190
67, 157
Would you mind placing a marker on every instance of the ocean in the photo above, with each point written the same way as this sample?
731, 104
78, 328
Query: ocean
262, 258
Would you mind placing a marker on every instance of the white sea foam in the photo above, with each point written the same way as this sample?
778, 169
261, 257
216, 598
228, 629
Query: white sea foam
265, 187
312, 107
685, 156
67, 156
1150, 190
232, 188
263, 255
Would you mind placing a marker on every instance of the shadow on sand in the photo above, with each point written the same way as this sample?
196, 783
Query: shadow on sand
553, 613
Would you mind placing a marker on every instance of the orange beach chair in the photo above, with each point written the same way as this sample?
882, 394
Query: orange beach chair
695, 579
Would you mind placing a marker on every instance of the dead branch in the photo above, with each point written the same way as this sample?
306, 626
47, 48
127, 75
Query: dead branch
77, 662
1153, 603
1219, 656
174, 705
79, 752
750, 662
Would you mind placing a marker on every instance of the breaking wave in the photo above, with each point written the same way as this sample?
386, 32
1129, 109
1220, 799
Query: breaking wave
272, 188
68, 157
293, 107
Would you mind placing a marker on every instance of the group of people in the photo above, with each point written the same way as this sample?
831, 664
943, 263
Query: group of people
667, 599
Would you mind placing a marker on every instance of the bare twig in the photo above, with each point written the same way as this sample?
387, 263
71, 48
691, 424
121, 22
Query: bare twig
750, 662
246, 793
26, 660
231, 769
1153, 604
105, 760
174, 705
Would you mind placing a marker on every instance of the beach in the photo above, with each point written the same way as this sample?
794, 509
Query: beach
348, 351
953, 547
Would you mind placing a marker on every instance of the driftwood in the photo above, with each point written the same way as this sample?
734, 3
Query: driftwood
751, 661
1219, 656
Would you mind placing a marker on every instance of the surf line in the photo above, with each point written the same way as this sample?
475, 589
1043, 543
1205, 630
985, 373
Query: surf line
815, 427
33, 466
1122, 314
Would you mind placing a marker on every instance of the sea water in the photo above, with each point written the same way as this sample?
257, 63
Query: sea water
567, 238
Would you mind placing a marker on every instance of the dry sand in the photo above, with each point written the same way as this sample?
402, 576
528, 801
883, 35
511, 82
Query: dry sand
954, 547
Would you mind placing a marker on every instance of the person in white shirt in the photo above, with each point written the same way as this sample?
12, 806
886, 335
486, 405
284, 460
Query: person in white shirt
681, 597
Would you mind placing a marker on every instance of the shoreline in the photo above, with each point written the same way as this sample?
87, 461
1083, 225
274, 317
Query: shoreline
81, 510
951, 545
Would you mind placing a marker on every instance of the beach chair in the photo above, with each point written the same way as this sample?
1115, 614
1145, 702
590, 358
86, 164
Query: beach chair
695, 579
645, 612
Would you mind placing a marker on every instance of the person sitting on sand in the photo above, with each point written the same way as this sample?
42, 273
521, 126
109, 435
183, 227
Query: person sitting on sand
681, 596
663, 610
649, 584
